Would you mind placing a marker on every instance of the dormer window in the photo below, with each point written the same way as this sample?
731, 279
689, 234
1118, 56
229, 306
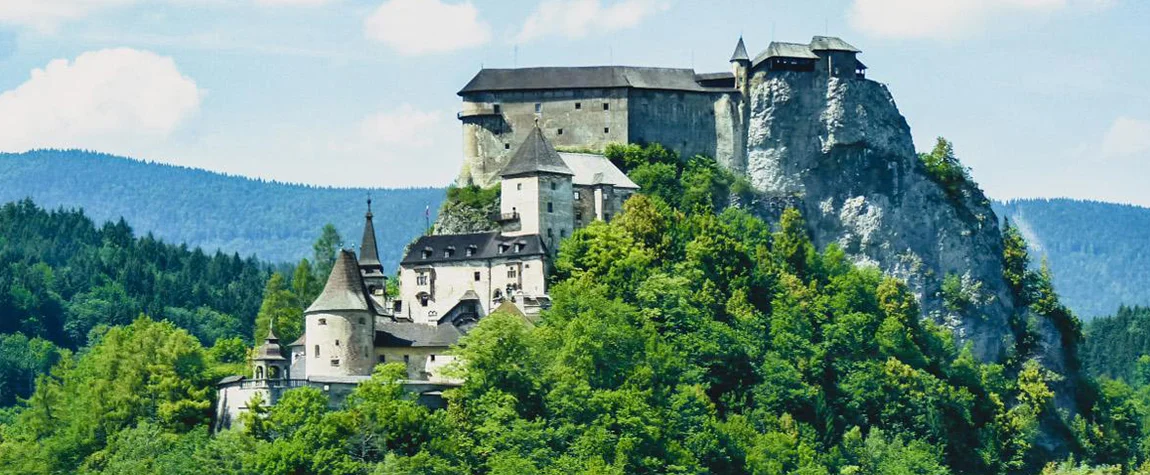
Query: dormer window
519, 246
427, 253
449, 252
471, 250
502, 248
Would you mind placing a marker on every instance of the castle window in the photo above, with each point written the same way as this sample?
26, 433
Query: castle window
335, 363
606, 130
449, 252
549, 233
554, 185
432, 357
519, 187
606, 106
259, 372
577, 198
502, 248
496, 108
421, 279
383, 358
562, 233
323, 321
317, 351
477, 276
406, 358
606, 216
424, 299
362, 321
578, 106
560, 132
427, 253
579, 216
550, 207
511, 272
538, 107
337, 343
506, 146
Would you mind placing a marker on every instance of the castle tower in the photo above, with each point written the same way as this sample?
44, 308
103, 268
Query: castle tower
741, 66
537, 192
269, 363
369, 266
340, 324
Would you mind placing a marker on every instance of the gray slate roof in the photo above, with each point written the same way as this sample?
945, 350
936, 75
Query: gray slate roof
368, 250
535, 155
585, 77
740, 53
593, 169
270, 350
485, 246
778, 49
831, 43
344, 289
399, 334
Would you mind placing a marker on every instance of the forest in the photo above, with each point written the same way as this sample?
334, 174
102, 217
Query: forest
686, 336
1099, 252
275, 221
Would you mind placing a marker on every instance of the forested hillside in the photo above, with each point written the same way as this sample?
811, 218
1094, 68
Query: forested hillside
1099, 252
275, 221
1118, 346
65, 280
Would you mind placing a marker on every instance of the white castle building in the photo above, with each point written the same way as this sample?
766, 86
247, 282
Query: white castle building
447, 284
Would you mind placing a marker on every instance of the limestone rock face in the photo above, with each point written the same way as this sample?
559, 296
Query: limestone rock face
455, 218
840, 150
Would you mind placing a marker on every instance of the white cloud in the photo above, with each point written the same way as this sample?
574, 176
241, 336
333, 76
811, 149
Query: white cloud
405, 125
578, 18
413, 27
109, 99
1126, 137
941, 19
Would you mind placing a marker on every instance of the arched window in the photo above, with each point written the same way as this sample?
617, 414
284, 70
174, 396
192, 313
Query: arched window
259, 372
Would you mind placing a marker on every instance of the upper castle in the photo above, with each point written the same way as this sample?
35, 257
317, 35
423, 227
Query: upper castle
586, 108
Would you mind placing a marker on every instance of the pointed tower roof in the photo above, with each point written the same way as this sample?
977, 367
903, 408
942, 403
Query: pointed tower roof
270, 350
344, 289
740, 53
535, 155
368, 250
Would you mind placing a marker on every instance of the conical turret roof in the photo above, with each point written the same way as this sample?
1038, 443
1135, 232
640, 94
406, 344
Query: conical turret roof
344, 289
535, 155
368, 250
740, 53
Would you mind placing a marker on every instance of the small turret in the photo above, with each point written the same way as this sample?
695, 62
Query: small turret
369, 266
269, 363
340, 324
740, 65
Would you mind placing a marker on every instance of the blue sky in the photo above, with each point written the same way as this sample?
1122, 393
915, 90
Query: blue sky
1041, 97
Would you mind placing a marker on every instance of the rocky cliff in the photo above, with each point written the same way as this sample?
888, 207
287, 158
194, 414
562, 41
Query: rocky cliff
840, 150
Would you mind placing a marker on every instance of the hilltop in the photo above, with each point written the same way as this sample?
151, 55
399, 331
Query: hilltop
1099, 252
276, 221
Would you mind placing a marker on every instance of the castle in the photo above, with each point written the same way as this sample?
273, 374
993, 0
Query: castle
513, 119
590, 107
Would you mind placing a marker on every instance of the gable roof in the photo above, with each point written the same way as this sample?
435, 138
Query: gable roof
831, 43
484, 246
344, 289
779, 49
403, 334
584, 77
593, 169
740, 53
535, 155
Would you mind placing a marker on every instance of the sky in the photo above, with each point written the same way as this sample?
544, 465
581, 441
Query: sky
1042, 98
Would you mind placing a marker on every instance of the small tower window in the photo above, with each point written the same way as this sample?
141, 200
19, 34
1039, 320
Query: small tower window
506, 146
554, 185
383, 358
606, 106
538, 107
579, 216
497, 108
577, 198
323, 321
317, 351
432, 357
406, 358
562, 233
550, 233
478, 276
511, 272
519, 187
424, 299
337, 343
578, 106
550, 207
362, 320
335, 363
606, 130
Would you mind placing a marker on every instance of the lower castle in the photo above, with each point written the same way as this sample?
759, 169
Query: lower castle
447, 283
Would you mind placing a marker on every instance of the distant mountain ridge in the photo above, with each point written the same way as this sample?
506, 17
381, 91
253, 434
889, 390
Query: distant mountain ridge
1099, 252
277, 222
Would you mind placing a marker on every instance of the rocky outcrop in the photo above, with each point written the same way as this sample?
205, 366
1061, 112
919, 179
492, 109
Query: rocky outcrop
840, 150
459, 218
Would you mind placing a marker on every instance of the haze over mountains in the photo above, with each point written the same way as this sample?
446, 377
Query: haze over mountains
277, 222
1099, 252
